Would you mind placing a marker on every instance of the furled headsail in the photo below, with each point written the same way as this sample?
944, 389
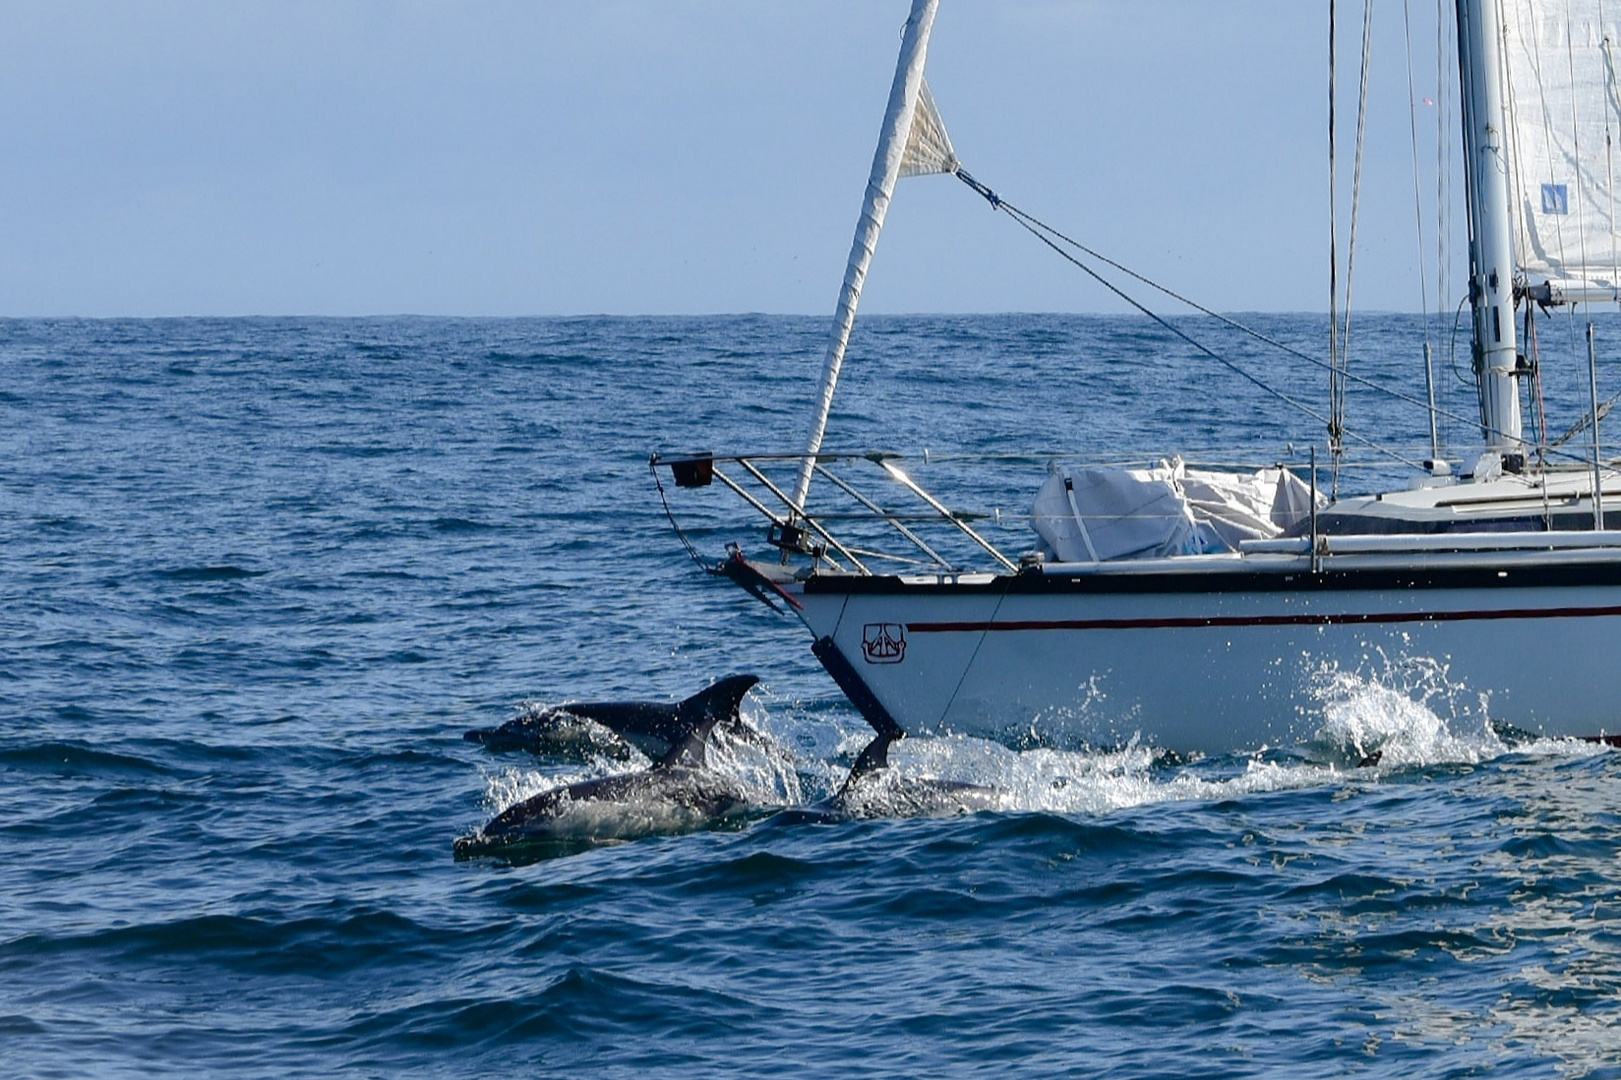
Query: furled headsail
1564, 118
899, 141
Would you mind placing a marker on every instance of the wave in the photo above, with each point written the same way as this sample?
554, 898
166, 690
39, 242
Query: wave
77, 759
224, 572
339, 940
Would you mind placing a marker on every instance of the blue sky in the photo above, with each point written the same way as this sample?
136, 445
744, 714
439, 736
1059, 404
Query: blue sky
682, 156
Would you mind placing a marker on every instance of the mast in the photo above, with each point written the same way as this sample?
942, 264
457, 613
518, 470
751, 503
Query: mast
886, 168
1491, 260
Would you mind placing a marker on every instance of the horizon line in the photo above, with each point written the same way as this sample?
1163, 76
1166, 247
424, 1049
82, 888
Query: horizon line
63, 317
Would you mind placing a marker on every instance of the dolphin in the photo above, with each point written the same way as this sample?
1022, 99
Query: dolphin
576, 730
875, 790
677, 794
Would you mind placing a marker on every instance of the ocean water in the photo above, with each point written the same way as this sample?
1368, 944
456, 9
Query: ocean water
259, 576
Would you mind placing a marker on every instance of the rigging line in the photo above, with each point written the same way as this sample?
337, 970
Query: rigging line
1445, 11
1445, 72
1560, 225
1605, 46
1361, 380
1418, 223
1418, 189
1576, 135
1587, 418
1576, 158
1128, 298
1466, 80
1333, 217
710, 568
1531, 350
1536, 61
1356, 205
1039, 229
1531, 46
1519, 155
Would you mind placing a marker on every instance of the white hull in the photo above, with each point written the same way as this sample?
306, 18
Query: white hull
1227, 654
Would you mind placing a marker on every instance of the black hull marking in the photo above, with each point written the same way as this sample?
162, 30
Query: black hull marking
1508, 576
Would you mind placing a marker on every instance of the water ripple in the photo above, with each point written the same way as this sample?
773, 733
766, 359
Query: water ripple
261, 574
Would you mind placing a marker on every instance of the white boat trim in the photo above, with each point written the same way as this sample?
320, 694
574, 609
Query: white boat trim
1436, 542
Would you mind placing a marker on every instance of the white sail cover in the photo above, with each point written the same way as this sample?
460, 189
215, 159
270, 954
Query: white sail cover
1564, 125
1099, 514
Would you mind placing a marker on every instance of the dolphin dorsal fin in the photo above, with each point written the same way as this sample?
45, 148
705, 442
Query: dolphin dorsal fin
874, 758
697, 716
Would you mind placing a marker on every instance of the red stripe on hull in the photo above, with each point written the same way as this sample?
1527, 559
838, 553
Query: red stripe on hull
1213, 621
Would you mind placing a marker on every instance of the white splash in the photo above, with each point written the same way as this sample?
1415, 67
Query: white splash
1071, 782
1406, 710
763, 766
507, 787
760, 765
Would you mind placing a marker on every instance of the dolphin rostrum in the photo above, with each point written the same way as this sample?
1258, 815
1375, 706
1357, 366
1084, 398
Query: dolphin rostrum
677, 794
575, 730
873, 790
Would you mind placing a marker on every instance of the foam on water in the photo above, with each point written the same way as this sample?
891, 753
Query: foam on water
1405, 710
510, 785
1093, 783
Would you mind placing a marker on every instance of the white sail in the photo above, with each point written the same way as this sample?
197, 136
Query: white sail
928, 148
1564, 106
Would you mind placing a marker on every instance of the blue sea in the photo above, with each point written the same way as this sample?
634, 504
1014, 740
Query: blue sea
260, 575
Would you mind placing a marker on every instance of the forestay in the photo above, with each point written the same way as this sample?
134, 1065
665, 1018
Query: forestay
1564, 121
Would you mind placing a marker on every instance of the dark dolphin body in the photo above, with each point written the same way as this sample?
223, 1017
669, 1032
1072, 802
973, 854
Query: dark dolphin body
678, 794
874, 790
576, 730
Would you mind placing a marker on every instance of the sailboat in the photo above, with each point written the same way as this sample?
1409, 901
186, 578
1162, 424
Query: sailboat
1190, 607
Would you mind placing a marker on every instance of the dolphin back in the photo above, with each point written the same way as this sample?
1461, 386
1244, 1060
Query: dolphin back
697, 715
